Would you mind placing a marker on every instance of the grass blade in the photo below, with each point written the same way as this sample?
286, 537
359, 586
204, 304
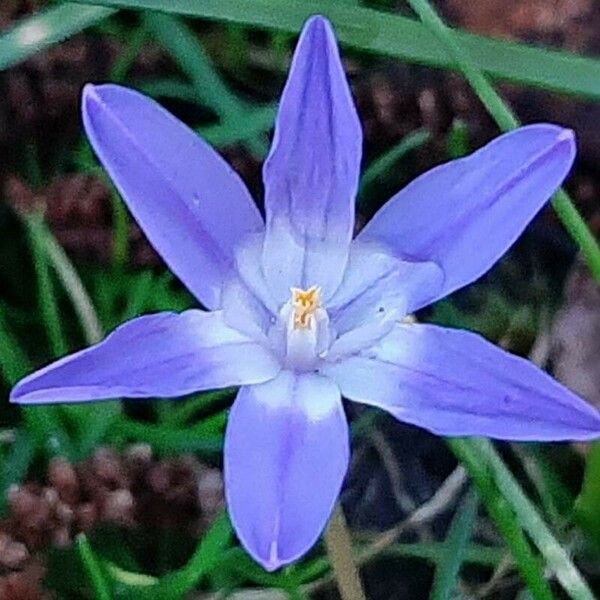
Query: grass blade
14, 363
433, 551
177, 584
397, 36
496, 483
168, 440
42, 421
72, 284
448, 567
389, 159
47, 302
587, 511
183, 45
46, 28
506, 120
255, 122
93, 568
15, 465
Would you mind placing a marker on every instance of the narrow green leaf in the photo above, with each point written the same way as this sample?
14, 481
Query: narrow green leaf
72, 284
587, 507
239, 561
15, 465
555, 497
14, 363
47, 302
311, 571
127, 58
92, 421
169, 440
475, 554
506, 120
183, 45
391, 158
455, 549
503, 514
397, 36
120, 226
48, 27
185, 410
253, 122
129, 578
168, 88
100, 584
42, 421
495, 482
458, 139
139, 291
176, 585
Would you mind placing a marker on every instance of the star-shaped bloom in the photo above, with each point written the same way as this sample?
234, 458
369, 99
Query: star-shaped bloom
299, 313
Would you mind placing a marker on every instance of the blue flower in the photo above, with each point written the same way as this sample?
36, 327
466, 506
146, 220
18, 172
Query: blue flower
299, 313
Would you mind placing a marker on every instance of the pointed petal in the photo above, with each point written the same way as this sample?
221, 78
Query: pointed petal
190, 203
311, 174
163, 355
465, 214
377, 286
286, 454
455, 383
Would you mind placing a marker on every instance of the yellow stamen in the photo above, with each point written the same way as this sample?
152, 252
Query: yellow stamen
305, 303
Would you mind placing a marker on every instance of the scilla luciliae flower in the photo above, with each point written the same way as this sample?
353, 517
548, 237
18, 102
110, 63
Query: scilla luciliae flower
299, 314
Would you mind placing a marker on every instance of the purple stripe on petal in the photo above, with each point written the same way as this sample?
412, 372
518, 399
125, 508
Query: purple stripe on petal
190, 203
311, 174
286, 455
455, 383
465, 214
163, 355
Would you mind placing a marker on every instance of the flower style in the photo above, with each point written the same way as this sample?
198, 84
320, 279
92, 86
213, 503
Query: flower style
299, 313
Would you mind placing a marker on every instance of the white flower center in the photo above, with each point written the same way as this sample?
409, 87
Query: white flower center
306, 329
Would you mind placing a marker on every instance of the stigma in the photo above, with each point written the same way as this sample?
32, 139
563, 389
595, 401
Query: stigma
305, 304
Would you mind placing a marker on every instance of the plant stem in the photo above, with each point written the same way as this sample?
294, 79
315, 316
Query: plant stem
506, 120
339, 548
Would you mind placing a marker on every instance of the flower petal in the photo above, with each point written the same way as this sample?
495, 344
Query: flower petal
286, 455
378, 286
465, 214
248, 266
311, 174
190, 203
243, 311
456, 383
164, 355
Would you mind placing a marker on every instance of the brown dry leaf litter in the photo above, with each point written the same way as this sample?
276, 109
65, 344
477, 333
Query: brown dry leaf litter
130, 490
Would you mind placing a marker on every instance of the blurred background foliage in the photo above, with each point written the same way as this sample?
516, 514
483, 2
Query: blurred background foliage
124, 500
